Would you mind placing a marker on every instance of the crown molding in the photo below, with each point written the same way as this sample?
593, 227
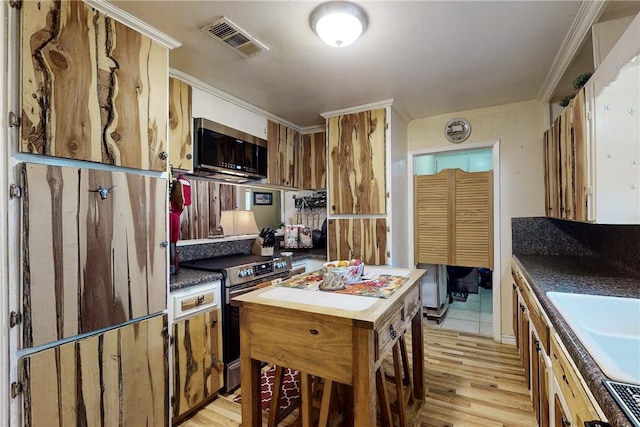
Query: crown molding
588, 14
358, 108
133, 22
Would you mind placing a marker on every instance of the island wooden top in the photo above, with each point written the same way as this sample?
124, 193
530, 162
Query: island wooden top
331, 304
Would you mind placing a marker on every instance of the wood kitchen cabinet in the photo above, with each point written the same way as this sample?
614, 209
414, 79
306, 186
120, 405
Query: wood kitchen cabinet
356, 158
565, 163
92, 88
454, 218
92, 250
180, 141
282, 143
311, 161
361, 238
198, 367
592, 171
114, 378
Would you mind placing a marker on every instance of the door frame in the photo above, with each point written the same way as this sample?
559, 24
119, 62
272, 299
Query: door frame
497, 267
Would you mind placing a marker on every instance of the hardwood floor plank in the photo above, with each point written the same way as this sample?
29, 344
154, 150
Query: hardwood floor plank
469, 381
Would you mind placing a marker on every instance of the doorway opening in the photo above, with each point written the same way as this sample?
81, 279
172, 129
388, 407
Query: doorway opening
464, 296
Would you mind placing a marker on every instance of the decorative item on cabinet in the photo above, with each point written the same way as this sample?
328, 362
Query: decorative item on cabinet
180, 142
106, 263
119, 116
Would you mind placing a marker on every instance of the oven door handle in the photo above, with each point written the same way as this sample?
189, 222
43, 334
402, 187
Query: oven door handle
235, 293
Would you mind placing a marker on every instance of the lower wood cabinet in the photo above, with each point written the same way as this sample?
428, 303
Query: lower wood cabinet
362, 238
547, 365
198, 367
114, 378
570, 386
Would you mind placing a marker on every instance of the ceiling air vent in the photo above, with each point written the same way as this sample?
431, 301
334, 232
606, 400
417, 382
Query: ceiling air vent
234, 37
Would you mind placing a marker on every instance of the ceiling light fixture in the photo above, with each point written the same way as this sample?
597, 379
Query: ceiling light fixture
338, 23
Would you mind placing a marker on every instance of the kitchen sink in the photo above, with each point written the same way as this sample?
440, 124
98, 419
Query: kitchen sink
609, 329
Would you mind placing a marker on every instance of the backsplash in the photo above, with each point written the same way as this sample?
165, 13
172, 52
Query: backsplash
213, 249
618, 244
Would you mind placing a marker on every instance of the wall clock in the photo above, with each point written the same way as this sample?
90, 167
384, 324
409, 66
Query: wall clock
457, 130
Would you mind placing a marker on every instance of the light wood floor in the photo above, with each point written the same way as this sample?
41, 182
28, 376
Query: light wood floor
470, 381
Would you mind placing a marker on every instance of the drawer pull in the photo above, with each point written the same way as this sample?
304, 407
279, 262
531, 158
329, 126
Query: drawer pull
392, 332
564, 377
313, 331
200, 300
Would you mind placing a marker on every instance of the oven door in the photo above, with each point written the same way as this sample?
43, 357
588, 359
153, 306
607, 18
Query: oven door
231, 329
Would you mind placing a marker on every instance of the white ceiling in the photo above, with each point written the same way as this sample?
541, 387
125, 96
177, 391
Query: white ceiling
431, 57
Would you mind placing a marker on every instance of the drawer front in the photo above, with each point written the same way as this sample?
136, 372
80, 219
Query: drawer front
570, 385
193, 300
389, 332
328, 345
412, 303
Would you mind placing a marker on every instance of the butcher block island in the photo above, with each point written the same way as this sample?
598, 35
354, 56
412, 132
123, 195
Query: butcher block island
338, 337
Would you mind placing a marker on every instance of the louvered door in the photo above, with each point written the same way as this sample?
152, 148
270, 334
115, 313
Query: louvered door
432, 212
472, 231
454, 218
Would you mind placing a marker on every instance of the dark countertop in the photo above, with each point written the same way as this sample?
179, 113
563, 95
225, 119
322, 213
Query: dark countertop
186, 278
584, 275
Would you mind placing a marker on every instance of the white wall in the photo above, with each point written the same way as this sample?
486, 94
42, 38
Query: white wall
212, 107
519, 127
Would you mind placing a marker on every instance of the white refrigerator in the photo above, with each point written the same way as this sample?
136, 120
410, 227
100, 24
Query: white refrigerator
435, 300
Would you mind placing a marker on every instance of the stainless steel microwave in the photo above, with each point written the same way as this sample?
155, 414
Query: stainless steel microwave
225, 153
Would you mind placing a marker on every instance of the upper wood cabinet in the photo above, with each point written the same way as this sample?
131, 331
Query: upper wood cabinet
356, 151
115, 378
180, 141
311, 161
92, 250
454, 218
92, 88
282, 142
565, 163
592, 155
361, 238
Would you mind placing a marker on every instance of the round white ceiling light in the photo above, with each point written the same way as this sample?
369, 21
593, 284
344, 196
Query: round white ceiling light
338, 23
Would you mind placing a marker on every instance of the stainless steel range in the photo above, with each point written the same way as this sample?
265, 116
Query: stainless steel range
242, 274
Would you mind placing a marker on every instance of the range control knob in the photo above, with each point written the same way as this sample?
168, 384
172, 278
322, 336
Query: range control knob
241, 273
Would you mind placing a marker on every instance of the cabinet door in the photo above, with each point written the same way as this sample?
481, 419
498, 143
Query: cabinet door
515, 317
198, 369
356, 150
432, 217
524, 344
90, 262
281, 142
566, 163
116, 378
180, 145
560, 418
362, 238
552, 169
310, 162
472, 224
92, 88
536, 386
579, 165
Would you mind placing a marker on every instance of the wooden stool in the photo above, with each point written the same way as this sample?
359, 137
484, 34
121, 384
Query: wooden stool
403, 385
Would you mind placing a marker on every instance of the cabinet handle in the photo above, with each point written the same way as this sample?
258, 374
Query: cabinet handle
565, 422
522, 307
313, 331
199, 300
392, 332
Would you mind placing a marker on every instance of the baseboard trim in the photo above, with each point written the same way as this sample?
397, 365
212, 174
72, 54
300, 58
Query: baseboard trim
508, 339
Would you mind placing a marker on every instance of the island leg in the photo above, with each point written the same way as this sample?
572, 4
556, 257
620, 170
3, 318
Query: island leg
249, 376
364, 381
